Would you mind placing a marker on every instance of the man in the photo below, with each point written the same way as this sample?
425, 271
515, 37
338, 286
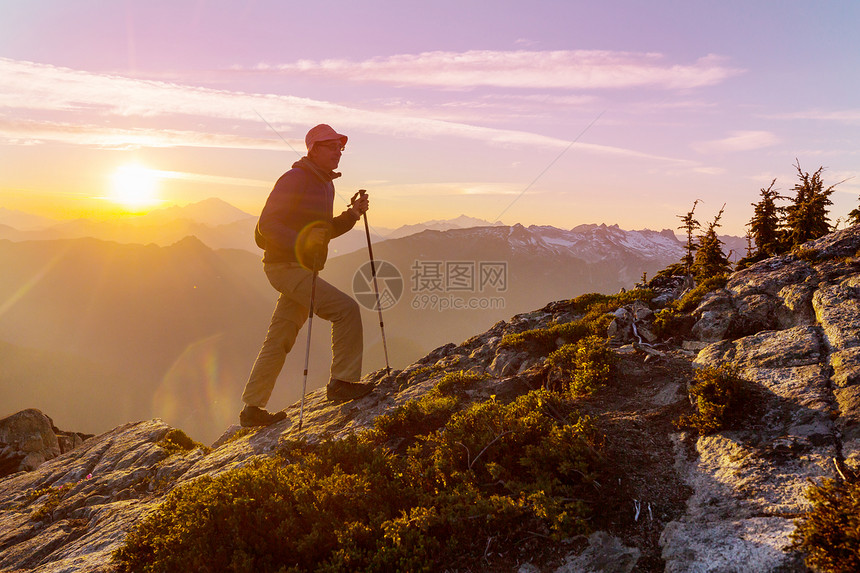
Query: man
294, 229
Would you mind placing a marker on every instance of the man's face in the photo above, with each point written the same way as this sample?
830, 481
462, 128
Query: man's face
326, 154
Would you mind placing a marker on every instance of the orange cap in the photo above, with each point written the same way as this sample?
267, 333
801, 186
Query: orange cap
323, 132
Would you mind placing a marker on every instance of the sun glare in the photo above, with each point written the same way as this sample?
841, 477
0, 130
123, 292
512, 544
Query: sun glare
135, 187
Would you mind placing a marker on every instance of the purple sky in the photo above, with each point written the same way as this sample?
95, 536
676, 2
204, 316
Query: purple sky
451, 107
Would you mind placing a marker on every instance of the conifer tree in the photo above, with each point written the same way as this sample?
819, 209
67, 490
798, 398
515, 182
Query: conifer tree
764, 225
806, 218
710, 261
750, 248
689, 225
854, 217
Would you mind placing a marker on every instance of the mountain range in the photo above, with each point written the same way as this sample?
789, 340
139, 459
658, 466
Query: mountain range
98, 331
220, 225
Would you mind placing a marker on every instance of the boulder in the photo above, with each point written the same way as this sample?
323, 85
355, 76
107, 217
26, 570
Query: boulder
604, 553
29, 438
837, 309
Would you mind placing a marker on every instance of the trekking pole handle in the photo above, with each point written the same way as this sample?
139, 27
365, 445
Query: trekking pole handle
360, 193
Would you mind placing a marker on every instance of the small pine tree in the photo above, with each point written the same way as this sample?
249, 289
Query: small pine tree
806, 218
710, 261
750, 248
854, 217
764, 225
690, 225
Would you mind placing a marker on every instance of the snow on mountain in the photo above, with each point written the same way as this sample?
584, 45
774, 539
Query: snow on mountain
591, 243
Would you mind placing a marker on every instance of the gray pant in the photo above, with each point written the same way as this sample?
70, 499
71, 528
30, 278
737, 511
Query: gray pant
294, 284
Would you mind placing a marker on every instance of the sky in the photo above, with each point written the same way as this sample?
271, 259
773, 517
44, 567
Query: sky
542, 113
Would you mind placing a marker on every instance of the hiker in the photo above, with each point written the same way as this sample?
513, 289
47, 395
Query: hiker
294, 229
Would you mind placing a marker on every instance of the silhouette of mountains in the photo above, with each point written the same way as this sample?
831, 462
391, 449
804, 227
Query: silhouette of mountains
115, 331
215, 222
167, 330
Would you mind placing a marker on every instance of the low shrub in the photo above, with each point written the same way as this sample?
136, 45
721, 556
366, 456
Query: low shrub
694, 297
417, 417
675, 319
53, 495
597, 309
176, 441
593, 301
530, 460
431, 411
721, 397
750, 260
506, 470
458, 382
584, 365
829, 534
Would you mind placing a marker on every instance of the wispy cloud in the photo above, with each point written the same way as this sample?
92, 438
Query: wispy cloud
36, 132
842, 116
78, 107
738, 141
565, 69
211, 179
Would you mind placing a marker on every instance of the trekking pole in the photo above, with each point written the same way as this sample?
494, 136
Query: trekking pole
363, 192
308, 347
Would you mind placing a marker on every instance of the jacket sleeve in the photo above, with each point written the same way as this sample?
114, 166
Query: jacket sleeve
342, 223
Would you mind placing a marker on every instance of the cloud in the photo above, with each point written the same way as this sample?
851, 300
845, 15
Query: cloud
211, 179
84, 108
738, 141
841, 116
562, 69
35, 132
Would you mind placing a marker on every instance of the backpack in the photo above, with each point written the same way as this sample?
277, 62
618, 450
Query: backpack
259, 238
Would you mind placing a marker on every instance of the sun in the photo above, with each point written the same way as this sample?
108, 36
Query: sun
135, 186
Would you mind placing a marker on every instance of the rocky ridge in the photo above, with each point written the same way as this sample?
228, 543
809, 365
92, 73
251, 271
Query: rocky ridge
673, 502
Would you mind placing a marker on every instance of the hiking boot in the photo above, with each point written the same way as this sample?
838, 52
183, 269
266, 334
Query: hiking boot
253, 416
340, 391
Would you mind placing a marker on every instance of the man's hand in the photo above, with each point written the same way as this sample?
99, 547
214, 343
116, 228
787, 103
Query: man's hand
359, 204
317, 247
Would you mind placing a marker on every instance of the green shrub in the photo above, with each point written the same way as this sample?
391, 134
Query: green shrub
675, 318
673, 270
721, 397
597, 309
55, 495
585, 364
750, 260
417, 417
526, 460
431, 411
177, 442
457, 382
352, 505
829, 534
804, 253
609, 302
669, 322
694, 297
274, 516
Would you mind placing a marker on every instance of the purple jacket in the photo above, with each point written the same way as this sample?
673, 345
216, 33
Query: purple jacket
302, 197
